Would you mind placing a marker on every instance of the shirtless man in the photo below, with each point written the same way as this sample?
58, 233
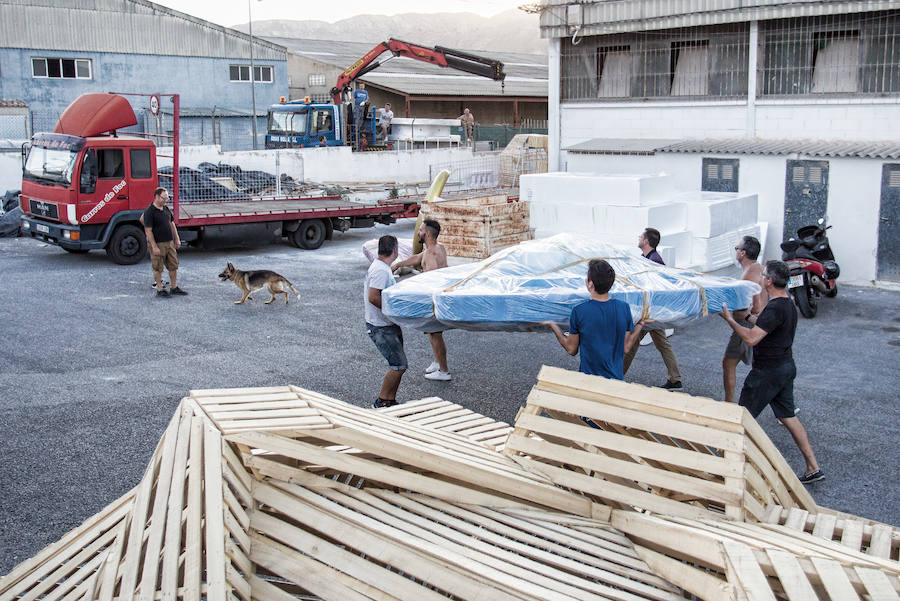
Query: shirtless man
737, 350
433, 257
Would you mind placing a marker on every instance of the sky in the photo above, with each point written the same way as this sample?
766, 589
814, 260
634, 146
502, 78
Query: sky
234, 12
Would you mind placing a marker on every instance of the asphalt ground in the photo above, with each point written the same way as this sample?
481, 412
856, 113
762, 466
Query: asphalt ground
92, 366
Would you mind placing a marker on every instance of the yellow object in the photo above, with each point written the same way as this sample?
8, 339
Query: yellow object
434, 192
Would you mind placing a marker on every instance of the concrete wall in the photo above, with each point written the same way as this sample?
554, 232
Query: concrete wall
333, 164
839, 119
10, 171
201, 82
854, 197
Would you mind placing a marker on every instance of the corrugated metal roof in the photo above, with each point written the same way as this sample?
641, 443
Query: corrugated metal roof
526, 74
560, 18
457, 85
738, 146
126, 26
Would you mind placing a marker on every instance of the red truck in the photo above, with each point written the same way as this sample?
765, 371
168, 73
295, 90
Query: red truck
85, 187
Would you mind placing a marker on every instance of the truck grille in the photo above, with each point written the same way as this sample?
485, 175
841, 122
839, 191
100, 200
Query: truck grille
40, 208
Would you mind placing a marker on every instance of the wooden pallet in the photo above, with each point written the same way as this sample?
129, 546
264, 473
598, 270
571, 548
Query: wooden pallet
477, 227
721, 560
280, 493
648, 448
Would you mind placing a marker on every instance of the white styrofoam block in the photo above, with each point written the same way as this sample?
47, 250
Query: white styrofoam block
669, 254
709, 254
711, 214
668, 217
681, 242
543, 216
575, 217
603, 189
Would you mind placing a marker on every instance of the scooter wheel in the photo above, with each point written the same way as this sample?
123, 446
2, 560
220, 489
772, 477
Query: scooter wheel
832, 292
806, 300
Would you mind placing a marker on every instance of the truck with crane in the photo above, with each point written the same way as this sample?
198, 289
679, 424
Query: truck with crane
85, 187
302, 123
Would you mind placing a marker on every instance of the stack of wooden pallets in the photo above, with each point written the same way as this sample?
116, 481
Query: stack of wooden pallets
478, 227
278, 494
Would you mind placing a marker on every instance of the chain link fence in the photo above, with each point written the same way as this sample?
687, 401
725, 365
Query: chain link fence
499, 170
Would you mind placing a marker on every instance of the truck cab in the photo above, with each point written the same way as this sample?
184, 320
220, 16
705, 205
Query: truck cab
85, 192
301, 124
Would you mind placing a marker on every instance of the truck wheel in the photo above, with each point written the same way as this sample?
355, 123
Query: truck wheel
310, 235
807, 303
127, 246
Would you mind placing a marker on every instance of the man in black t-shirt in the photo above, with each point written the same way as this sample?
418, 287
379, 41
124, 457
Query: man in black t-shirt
163, 240
771, 380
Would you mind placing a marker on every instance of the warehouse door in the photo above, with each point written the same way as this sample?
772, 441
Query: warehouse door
889, 224
805, 195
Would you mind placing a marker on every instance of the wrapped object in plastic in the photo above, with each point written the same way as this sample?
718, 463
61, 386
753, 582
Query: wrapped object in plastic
543, 280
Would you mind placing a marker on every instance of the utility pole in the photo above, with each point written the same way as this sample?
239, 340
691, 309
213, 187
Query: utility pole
252, 78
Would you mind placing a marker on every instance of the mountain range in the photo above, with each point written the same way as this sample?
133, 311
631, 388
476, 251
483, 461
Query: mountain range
509, 31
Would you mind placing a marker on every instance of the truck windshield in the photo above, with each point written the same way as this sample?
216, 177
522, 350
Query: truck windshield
50, 164
288, 122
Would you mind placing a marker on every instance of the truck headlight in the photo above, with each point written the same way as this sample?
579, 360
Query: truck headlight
26, 225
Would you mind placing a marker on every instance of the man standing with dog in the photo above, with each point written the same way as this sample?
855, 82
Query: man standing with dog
387, 336
162, 237
433, 257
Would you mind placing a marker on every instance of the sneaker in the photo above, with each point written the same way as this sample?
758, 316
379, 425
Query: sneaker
380, 403
162, 293
670, 385
443, 376
433, 367
177, 291
813, 477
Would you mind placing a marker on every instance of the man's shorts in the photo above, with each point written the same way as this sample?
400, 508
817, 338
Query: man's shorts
167, 257
770, 386
737, 348
389, 342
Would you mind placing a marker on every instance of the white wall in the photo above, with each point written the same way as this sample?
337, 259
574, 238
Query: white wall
335, 164
838, 119
854, 198
10, 171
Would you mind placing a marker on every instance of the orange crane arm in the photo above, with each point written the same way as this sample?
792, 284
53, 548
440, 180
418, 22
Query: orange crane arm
443, 57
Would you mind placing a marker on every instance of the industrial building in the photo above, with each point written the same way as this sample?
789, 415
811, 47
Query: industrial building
418, 89
797, 101
52, 51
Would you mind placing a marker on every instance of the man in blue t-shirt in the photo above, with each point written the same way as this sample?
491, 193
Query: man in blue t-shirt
601, 328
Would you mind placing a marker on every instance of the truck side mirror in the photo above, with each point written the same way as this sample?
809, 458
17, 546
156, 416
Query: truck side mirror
89, 172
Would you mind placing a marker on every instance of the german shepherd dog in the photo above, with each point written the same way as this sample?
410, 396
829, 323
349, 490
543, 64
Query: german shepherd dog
251, 281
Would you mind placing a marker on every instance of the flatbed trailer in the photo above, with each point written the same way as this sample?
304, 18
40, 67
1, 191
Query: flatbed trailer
85, 187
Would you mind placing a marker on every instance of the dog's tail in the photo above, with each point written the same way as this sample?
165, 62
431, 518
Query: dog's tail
291, 286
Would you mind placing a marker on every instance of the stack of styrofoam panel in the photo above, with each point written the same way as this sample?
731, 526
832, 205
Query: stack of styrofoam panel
717, 252
615, 207
717, 221
711, 214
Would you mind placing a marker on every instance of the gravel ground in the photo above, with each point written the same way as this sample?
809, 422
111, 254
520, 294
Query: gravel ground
92, 367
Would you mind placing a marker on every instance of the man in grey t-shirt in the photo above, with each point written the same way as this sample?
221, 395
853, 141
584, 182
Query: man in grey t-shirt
387, 336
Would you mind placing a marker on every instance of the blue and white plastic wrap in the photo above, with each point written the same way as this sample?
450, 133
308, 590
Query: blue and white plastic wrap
543, 280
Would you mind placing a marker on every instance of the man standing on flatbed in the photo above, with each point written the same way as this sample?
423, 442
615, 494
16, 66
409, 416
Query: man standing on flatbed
433, 257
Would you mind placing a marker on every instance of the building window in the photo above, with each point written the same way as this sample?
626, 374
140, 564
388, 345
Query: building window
614, 72
720, 175
316, 79
61, 68
839, 54
261, 73
689, 66
707, 62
